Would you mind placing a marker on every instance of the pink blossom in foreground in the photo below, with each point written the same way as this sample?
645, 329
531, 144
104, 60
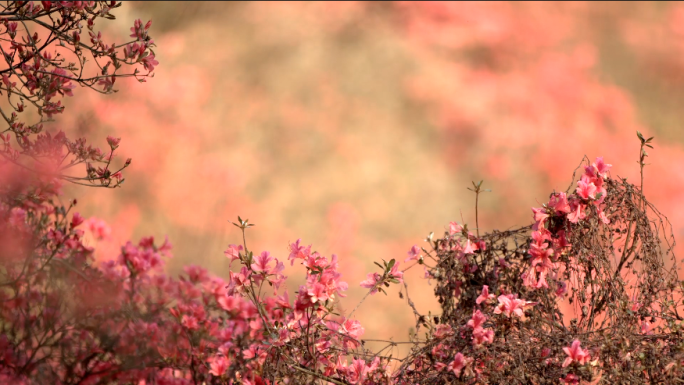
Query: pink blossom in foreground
76, 220
218, 365
298, 251
484, 296
601, 167
443, 330
261, 262
371, 282
576, 354
395, 273
233, 252
511, 304
559, 202
455, 228
477, 320
459, 363
540, 217
585, 188
413, 254
482, 335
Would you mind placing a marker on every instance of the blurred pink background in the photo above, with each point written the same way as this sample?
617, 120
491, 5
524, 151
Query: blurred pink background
358, 126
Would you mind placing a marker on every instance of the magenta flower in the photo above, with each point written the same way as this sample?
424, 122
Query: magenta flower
601, 167
484, 296
455, 227
575, 353
413, 254
511, 304
443, 330
371, 281
395, 273
459, 363
76, 220
477, 320
261, 262
298, 251
233, 252
585, 188
218, 365
559, 202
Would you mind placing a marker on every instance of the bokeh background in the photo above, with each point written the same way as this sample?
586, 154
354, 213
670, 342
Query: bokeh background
358, 126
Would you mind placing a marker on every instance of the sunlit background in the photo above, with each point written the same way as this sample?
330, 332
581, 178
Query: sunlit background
358, 126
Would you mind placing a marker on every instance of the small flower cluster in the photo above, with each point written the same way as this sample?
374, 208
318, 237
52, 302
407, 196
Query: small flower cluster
47, 64
548, 236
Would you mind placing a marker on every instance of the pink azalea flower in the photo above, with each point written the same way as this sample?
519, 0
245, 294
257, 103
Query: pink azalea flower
585, 188
318, 292
484, 296
371, 282
230, 303
394, 272
352, 328
459, 363
540, 216
261, 262
575, 353
577, 212
233, 252
219, 365
454, 228
113, 142
189, 322
601, 167
559, 202
469, 249
443, 330
477, 320
76, 220
511, 304
481, 335
149, 62
298, 251
413, 254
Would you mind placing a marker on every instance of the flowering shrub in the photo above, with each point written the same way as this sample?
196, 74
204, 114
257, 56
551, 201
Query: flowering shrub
587, 294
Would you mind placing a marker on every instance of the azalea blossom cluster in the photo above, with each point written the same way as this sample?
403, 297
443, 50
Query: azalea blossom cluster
44, 59
124, 321
548, 238
507, 297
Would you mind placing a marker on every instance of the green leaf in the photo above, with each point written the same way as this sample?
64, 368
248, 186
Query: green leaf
391, 264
